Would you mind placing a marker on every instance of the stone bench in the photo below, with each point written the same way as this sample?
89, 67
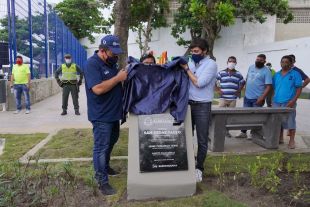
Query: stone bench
264, 123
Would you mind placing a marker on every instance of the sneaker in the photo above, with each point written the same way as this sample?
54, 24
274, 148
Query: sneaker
63, 113
250, 137
112, 172
228, 135
27, 111
17, 112
242, 135
77, 113
198, 176
106, 189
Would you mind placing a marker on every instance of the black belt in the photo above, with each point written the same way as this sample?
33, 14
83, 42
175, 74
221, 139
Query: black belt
191, 102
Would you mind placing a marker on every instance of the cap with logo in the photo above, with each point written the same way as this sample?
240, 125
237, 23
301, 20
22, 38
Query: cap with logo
112, 42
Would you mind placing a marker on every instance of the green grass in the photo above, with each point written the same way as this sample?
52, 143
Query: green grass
81, 172
75, 143
240, 163
16, 145
78, 143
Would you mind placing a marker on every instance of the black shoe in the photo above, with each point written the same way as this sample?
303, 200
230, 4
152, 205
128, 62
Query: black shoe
77, 113
106, 189
63, 113
112, 172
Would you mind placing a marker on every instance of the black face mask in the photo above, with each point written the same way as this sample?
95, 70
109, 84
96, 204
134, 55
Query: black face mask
112, 60
259, 64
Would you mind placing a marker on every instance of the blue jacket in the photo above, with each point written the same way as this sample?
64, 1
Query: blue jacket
153, 89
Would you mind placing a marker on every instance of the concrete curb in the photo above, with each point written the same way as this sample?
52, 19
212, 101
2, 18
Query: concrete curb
82, 159
35, 149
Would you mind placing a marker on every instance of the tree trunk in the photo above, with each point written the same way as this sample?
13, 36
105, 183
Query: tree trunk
211, 34
121, 27
139, 39
211, 41
148, 31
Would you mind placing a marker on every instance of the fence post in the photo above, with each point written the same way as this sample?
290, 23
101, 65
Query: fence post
9, 34
14, 30
68, 51
56, 61
30, 37
46, 40
62, 39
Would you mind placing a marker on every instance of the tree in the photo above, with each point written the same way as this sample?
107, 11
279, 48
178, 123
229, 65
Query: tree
83, 17
146, 16
121, 26
22, 34
143, 16
205, 18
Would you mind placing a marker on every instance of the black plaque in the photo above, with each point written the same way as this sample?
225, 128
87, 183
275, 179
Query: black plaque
162, 145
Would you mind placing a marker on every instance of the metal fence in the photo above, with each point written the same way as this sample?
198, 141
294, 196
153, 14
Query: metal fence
32, 29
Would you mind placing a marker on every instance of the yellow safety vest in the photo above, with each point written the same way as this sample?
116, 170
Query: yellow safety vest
21, 73
70, 73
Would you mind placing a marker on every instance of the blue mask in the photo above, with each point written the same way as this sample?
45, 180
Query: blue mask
197, 58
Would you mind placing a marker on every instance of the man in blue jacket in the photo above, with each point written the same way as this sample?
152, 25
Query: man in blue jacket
104, 102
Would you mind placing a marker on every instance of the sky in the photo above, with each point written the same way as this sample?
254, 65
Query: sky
53, 1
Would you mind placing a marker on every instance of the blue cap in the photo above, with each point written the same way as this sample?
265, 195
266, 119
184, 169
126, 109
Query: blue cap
112, 42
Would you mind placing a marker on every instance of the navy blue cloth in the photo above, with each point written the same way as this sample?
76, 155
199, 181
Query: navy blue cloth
153, 89
106, 107
301, 72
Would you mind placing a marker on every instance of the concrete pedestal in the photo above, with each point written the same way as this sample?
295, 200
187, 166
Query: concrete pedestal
168, 184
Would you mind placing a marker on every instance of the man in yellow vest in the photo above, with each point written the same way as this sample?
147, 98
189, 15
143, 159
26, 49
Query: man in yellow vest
70, 79
20, 81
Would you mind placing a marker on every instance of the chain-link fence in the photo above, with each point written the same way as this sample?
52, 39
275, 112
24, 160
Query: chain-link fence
32, 29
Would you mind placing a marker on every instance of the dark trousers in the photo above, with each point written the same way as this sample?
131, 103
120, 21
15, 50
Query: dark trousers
249, 103
269, 98
105, 136
67, 89
201, 115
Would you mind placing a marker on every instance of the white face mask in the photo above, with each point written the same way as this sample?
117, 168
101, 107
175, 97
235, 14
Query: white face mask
68, 61
231, 66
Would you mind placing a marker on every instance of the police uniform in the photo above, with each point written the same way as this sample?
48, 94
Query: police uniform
70, 80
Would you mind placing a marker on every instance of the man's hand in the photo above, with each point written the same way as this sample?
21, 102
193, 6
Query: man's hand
260, 101
60, 83
220, 92
122, 75
291, 104
28, 86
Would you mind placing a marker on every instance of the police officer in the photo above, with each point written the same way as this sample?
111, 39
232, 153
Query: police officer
70, 79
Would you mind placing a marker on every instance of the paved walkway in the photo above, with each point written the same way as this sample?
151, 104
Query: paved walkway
45, 117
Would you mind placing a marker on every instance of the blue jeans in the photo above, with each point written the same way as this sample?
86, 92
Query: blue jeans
18, 90
249, 103
105, 136
201, 116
